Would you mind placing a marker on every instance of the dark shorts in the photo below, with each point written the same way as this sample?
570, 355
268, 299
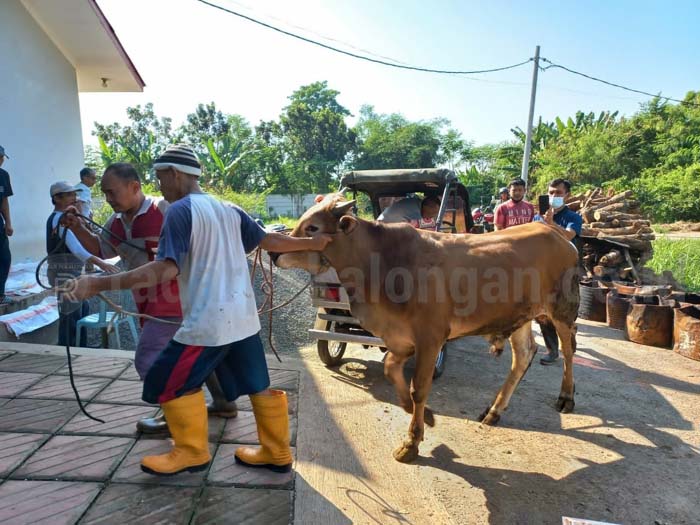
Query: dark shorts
240, 367
154, 338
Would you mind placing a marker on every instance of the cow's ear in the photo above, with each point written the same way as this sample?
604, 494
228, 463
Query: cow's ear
341, 208
347, 223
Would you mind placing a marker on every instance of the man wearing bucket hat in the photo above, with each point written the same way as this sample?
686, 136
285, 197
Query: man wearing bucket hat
203, 244
67, 258
5, 227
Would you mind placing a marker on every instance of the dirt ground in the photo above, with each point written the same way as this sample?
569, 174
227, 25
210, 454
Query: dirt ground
679, 227
630, 453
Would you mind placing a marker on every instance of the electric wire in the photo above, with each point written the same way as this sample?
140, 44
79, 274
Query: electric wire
362, 57
552, 65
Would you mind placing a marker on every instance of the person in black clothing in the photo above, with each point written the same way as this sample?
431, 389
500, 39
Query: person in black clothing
5, 227
66, 260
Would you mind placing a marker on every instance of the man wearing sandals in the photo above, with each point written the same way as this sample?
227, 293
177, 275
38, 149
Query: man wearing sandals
203, 244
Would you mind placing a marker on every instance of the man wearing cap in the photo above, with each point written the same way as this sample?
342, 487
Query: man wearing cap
5, 227
138, 219
66, 259
204, 244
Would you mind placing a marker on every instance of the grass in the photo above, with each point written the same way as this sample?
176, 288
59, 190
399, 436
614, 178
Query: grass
682, 257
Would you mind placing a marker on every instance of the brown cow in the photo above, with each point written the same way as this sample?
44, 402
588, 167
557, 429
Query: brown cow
417, 289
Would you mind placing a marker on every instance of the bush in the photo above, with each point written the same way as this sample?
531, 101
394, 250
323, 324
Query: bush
671, 196
681, 257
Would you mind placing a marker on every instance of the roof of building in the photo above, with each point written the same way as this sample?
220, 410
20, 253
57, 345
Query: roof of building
80, 30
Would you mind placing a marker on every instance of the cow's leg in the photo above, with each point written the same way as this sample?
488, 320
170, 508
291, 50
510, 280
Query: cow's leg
420, 388
393, 371
566, 333
523, 350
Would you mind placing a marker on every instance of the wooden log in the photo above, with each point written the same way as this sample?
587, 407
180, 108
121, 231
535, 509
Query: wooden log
637, 245
588, 232
592, 195
603, 271
620, 223
574, 205
588, 212
625, 206
612, 258
629, 230
611, 216
626, 273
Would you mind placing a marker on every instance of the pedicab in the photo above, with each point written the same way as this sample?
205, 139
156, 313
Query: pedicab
335, 326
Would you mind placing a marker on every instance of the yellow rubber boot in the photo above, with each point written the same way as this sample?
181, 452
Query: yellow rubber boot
272, 421
187, 421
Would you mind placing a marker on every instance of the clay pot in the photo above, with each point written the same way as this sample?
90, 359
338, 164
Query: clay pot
592, 305
650, 321
686, 331
617, 306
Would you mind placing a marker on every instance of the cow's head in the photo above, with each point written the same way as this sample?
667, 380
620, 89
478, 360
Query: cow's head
331, 215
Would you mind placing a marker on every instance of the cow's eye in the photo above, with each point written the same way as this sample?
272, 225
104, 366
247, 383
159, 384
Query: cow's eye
311, 228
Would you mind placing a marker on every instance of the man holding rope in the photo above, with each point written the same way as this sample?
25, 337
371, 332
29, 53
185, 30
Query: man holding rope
203, 244
138, 220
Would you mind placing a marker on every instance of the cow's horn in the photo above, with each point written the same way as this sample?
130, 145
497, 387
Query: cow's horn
341, 208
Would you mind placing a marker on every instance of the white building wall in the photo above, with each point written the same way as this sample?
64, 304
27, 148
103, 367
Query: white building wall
39, 124
288, 205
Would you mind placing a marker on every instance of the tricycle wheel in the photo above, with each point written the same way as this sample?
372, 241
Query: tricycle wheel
330, 352
440, 362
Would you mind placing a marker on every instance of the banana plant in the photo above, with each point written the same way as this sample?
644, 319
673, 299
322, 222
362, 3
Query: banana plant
223, 159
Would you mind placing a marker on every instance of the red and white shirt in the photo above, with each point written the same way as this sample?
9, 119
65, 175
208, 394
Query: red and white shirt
513, 213
162, 300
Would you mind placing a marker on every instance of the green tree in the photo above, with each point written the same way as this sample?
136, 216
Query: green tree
391, 141
139, 142
313, 137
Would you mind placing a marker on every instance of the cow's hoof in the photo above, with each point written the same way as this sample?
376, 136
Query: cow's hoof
489, 418
406, 453
565, 405
429, 417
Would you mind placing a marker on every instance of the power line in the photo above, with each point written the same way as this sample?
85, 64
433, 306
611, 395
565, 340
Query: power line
361, 57
320, 35
559, 66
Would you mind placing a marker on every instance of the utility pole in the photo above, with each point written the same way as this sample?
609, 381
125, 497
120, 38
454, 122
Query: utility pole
528, 134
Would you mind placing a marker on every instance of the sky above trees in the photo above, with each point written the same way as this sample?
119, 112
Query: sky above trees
189, 53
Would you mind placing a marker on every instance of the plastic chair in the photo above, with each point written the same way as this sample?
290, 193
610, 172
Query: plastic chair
103, 318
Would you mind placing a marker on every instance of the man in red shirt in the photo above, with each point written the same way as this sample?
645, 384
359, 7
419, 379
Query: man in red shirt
515, 210
138, 218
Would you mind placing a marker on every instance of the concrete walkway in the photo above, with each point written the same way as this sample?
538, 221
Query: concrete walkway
59, 467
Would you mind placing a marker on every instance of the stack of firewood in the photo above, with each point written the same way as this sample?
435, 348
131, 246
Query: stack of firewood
615, 217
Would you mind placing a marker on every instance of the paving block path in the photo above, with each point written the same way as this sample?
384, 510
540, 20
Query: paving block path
59, 467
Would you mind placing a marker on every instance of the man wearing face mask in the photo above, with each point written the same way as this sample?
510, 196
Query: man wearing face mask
559, 216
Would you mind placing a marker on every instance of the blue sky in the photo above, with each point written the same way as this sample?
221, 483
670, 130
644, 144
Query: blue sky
190, 53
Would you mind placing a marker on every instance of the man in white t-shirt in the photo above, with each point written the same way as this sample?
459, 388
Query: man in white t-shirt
204, 244
88, 177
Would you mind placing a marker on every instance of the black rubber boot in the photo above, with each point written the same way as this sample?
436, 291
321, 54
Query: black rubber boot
152, 425
551, 341
550, 358
220, 406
